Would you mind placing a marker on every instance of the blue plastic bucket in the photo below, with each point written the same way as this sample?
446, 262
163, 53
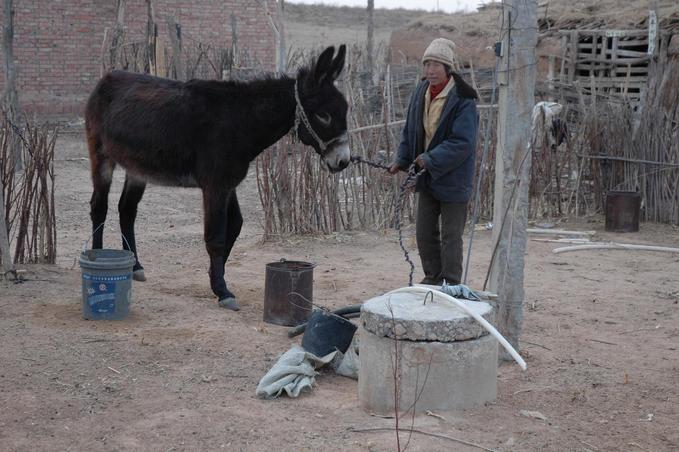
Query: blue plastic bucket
107, 283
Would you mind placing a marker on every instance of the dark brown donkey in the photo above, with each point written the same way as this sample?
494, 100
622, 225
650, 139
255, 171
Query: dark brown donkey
205, 134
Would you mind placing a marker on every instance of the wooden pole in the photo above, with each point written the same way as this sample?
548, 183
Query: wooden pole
5, 254
371, 37
174, 30
278, 27
282, 60
116, 48
10, 98
151, 35
512, 166
235, 62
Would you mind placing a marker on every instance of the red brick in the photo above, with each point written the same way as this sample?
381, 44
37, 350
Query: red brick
58, 44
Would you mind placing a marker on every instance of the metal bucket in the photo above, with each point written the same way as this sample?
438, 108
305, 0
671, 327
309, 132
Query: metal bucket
288, 292
106, 283
327, 332
622, 211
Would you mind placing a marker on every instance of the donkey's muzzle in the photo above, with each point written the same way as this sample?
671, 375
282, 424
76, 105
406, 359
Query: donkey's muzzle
338, 156
342, 165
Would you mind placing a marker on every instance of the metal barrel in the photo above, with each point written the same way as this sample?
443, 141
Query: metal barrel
288, 292
622, 211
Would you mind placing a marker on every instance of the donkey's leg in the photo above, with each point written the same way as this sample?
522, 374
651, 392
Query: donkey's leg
102, 172
234, 222
216, 220
133, 190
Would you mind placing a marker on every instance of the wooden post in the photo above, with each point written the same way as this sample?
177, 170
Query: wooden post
235, 62
282, 59
5, 253
512, 166
10, 98
174, 30
161, 70
278, 28
648, 94
151, 35
371, 37
550, 77
116, 47
573, 55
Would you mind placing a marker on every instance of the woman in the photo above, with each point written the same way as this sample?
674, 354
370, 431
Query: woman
440, 136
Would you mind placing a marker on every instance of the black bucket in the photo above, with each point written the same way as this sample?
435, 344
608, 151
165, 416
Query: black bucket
622, 211
327, 332
288, 292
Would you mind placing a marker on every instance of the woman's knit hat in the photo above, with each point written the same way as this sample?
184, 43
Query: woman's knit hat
441, 50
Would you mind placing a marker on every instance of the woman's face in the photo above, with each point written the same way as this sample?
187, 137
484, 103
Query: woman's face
435, 72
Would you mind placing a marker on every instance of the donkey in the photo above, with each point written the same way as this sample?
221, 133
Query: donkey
204, 134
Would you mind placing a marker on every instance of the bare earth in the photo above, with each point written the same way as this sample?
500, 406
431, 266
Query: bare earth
601, 338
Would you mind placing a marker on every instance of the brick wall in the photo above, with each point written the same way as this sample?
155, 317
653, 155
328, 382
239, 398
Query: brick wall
58, 43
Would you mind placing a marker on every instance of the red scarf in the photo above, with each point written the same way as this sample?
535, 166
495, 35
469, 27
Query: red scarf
436, 90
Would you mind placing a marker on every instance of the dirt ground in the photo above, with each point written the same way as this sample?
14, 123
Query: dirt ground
601, 338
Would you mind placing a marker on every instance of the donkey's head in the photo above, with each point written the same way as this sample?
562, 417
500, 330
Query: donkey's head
321, 114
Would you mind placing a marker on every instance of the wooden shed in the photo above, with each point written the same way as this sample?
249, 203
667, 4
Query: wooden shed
611, 62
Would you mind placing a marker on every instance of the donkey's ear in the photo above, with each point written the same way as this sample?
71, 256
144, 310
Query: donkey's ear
338, 63
323, 64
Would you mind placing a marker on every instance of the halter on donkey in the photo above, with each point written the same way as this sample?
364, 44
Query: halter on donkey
205, 134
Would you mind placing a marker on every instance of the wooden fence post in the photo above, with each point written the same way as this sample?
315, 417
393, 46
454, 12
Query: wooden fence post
10, 98
5, 254
116, 48
151, 35
174, 30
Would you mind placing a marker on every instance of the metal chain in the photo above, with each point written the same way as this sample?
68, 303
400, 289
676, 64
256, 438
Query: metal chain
359, 159
408, 184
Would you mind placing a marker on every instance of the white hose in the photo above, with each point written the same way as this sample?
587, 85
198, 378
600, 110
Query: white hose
491, 329
615, 246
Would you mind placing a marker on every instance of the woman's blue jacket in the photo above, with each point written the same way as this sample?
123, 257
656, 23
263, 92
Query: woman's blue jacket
450, 156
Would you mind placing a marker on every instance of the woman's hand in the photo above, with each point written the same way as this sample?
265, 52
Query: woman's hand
394, 168
420, 161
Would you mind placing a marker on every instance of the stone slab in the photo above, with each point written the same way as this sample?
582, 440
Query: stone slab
406, 316
432, 376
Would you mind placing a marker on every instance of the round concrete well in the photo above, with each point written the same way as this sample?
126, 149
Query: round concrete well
444, 360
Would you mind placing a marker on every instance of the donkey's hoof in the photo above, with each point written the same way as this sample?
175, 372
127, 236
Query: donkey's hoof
229, 303
138, 275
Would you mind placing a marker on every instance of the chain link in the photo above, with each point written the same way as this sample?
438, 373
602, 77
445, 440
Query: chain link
359, 159
407, 185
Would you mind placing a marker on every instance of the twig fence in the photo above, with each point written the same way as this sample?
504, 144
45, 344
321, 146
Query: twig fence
29, 208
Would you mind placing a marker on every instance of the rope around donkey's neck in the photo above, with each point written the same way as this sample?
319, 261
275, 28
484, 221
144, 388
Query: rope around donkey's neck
407, 184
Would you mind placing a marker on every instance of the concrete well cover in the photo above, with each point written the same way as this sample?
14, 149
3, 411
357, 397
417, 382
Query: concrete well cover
436, 320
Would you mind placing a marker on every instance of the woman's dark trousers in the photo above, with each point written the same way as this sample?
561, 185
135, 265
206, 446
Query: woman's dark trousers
439, 238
